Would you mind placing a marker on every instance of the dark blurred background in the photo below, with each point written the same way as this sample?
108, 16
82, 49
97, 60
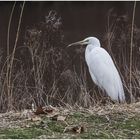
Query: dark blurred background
79, 19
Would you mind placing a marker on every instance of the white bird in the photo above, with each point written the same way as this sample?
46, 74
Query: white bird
102, 69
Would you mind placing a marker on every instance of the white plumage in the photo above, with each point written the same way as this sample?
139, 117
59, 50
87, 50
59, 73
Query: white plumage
102, 69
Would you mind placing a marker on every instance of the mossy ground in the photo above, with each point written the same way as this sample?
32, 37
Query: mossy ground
109, 125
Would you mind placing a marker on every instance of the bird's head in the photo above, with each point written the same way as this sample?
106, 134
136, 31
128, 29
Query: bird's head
89, 40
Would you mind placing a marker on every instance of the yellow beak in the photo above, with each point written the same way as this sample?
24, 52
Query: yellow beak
77, 43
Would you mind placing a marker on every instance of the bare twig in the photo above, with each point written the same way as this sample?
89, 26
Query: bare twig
131, 51
8, 37
8, 54
12, 58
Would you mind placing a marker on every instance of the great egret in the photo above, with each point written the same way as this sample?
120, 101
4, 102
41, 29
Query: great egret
102, 69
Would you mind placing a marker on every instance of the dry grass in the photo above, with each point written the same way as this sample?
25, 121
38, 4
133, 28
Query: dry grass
109, 121
17, 119
44, 72
121, 39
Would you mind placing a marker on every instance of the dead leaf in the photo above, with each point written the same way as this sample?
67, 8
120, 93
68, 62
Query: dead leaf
76, 129
52, 113
39, 110
58, 118
45, 110
61, 118
36, 118
48, 109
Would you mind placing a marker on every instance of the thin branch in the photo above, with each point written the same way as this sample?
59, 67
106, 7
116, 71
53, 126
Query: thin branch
131, 51
8, 54
13, 53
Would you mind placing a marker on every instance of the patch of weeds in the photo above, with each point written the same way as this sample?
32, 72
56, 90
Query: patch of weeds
76, 118
96, 134
131, 124
51, 126
56, 126
112, 126
130, 127
118, 126
26, 133
96, 119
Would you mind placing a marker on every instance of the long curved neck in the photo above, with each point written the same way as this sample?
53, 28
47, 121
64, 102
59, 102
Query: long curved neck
89, 48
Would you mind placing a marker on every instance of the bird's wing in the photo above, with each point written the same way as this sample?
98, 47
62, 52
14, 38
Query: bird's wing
105, 74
